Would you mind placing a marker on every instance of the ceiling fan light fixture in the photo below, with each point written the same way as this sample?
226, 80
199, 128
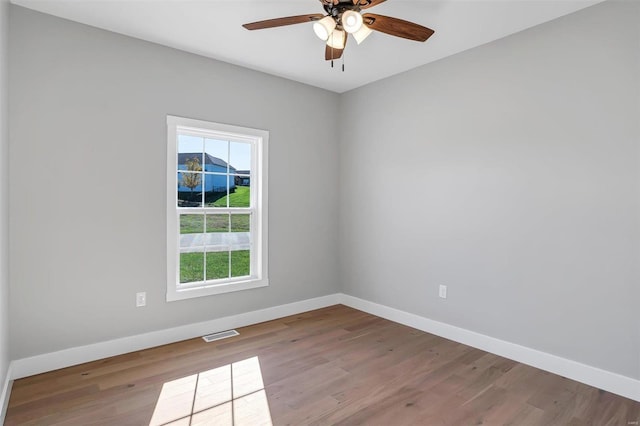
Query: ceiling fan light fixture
362, 33
344, 17
351, 21
324, 27
337, 39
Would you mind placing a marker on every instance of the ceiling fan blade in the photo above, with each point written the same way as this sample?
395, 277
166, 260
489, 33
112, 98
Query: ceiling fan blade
366, 4
330, 53
280, 22
397, 27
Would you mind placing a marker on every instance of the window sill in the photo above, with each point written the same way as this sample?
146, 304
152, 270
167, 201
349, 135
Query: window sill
190, 293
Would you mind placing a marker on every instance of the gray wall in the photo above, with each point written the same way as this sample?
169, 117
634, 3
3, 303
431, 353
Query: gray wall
520, 176
88, 112
4, 196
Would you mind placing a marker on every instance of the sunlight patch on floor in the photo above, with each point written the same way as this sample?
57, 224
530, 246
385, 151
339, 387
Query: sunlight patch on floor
229, 395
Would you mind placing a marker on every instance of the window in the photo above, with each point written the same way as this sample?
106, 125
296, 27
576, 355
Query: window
216, 208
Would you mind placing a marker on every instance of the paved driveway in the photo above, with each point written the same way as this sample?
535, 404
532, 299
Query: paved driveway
215, 241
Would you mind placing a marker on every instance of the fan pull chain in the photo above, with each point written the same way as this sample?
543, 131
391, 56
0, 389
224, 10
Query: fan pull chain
331, 36
332, 50
343, 61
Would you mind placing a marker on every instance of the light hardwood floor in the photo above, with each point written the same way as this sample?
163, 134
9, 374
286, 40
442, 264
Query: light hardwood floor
330, 366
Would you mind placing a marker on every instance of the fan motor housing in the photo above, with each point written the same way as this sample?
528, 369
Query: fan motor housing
336, 10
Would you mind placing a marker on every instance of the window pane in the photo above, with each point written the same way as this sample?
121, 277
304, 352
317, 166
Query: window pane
217, 157
240, 263
242, 180
222, 198
189, 189
217, 264
240, 158
191, 229
239, 196
217, 223
190, 146
191, 267
240, 223
216, 190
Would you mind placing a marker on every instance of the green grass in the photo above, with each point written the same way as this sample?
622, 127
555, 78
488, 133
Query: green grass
191, 224
240, 198
194, 223
240, 263
192, 265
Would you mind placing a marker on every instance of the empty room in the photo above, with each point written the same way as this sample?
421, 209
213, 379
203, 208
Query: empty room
308, 212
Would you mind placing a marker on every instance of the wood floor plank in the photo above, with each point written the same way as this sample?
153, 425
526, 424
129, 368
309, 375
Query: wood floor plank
334, 365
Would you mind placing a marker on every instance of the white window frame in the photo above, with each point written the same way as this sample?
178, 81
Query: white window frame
259, 140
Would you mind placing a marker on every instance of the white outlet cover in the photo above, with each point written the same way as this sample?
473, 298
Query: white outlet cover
443, 291
141, 299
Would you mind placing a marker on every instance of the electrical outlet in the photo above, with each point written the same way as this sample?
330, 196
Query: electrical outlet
141, 299
442, 292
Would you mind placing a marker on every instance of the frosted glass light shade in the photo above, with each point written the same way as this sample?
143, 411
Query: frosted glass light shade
337, 39
324, 27
362, 33
351, 21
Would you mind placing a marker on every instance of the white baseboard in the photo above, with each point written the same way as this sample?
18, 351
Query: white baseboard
6, 393
65, 358
593, 376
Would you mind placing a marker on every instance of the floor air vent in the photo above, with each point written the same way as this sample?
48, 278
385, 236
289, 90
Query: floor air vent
221, 335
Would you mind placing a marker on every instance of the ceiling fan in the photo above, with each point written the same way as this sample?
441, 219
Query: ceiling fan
344, 17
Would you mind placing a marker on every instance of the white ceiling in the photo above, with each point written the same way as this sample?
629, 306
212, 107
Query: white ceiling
213, 28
